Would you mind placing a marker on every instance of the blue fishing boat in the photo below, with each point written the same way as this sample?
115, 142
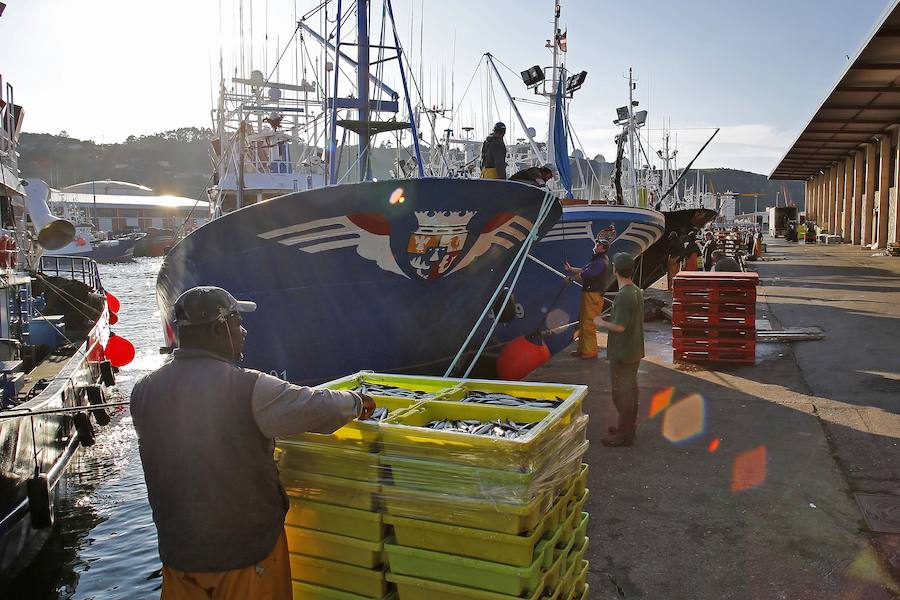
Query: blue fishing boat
346, 281
349, 273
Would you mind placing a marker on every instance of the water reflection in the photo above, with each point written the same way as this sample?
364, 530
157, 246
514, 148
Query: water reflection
104, 544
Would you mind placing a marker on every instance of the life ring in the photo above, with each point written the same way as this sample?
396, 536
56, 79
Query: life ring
40, 501
80, 241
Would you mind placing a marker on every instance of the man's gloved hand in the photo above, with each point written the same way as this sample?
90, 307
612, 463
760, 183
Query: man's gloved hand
367, 406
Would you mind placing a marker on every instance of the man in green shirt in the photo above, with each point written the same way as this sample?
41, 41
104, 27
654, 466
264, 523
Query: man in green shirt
625, 349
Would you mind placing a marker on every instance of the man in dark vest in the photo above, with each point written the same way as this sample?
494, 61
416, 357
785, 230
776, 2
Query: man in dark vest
493, 154
594, 278
206, 430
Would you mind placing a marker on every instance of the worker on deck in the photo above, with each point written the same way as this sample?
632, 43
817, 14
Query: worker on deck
493, 154
537, 176
594, 278
206, 430
624, 350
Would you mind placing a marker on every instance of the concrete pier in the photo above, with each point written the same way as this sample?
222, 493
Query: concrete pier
740, 484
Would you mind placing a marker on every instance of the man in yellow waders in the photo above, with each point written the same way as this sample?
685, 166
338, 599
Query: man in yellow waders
206, 430
594, 278
493, 154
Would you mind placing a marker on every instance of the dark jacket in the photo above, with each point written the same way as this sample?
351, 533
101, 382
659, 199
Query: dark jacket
595, 274
205, 433
532, 176
493, 154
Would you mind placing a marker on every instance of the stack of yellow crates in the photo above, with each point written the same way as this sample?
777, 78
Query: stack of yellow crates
456, 514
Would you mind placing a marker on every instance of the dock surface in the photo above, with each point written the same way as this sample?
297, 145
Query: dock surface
741, 484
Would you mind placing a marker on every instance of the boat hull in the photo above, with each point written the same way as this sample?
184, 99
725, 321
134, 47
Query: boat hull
48, 448
389, 276
119, 250
544, 301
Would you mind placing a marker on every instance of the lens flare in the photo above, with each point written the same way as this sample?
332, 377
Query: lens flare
397, 197
714, 444
685, 420
660, 401
749, 469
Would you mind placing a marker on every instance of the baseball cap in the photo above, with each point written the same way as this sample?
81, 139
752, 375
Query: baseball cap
206, 303
602, 240
624, 262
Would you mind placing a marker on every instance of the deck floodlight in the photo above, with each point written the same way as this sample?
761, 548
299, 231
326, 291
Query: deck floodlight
575, 81
640, 117
621, 114
533, 76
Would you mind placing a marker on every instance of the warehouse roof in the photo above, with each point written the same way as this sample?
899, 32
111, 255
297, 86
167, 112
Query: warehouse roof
109, 186
139, 202
865, 101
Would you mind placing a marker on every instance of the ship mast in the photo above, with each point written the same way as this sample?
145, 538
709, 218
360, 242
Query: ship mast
551, 145
632, 132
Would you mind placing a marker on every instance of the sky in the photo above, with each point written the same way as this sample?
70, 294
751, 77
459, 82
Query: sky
106, 69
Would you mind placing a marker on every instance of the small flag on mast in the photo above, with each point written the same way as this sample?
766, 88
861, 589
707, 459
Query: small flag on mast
561, 40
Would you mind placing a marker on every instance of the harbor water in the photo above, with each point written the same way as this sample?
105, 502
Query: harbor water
104, 543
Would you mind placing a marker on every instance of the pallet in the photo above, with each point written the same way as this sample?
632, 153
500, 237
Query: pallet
718, 344
713, 315
716, 356
744, 295
717, 278
710, 333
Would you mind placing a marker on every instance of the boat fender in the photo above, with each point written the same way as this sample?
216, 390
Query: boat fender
95, 396
40, 503
85, 429
107, 374
509, 310
11, 253
4, 244
521, 356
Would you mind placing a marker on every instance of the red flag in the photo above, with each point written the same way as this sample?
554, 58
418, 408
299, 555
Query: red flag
562, 41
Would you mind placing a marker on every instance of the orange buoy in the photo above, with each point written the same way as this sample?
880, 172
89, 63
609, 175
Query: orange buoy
521, 356
119, 351
113, 303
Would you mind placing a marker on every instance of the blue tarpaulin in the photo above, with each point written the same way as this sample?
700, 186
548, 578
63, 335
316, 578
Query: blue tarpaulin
560, 141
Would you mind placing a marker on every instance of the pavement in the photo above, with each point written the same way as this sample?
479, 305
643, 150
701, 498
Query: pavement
741, 483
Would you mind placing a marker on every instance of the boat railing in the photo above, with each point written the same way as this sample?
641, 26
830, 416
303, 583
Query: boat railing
76, 268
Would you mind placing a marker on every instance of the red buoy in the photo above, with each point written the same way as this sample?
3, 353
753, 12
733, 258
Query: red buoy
521, 356
112, 302
113, 318
119, 351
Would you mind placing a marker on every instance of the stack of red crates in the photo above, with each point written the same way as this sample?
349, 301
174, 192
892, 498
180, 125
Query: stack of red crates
714, 317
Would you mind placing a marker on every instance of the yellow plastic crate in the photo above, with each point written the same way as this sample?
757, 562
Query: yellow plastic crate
356, 435
308, 591
433, 386
331, 460
413, 588
476, 513
348, 578
516, 550
339, 548
362, 495
339, 520
568, 397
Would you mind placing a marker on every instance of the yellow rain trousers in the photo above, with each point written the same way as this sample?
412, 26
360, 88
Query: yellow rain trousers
270, 579
489, 173
591, 307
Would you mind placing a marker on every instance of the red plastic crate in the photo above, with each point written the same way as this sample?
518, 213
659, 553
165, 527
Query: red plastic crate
708, 333
710, 314
717, 278
691, 293
702, 345
745, 357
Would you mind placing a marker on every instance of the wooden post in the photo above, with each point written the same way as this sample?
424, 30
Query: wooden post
868, 205
884, 190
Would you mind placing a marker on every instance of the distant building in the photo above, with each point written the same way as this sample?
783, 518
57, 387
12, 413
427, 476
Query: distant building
117, 206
